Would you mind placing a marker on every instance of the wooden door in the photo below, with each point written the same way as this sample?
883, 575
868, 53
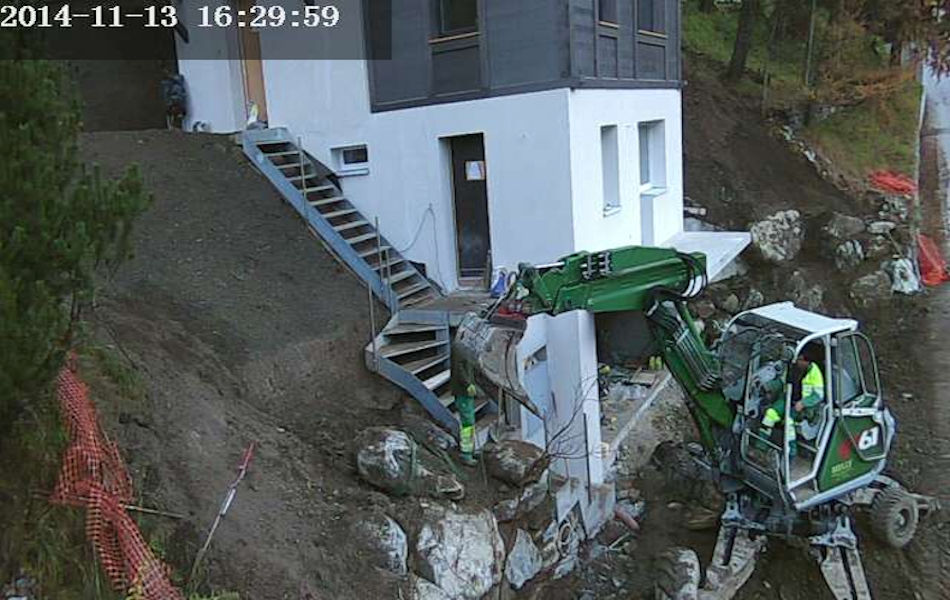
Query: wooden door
470, 195
253, 67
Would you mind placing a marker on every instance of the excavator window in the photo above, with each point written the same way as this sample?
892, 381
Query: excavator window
848, 373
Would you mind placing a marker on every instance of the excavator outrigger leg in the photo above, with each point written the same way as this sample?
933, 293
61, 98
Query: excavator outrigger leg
840, 562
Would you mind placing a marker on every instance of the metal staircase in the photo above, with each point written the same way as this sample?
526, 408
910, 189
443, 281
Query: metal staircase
413, 349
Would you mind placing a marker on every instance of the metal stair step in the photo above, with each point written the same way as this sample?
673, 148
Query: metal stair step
338, 213
392, 263
359, 239
372, 251
295, 165
418, 300
414, 289
303, 177
400, 276
412, 328
436, 381
326, 201
417, 366
282, 153
352, 225
321, 188
409, 348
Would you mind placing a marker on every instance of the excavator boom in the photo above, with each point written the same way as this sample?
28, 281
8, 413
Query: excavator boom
655, 281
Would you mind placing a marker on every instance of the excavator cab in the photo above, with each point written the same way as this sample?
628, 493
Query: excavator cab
839, 441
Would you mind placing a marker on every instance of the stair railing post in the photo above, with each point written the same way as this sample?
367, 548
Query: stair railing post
301, 166
379, 260
389, 277
372, 324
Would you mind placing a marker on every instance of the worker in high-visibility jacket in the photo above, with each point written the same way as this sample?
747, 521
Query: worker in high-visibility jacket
464, 390
808, 392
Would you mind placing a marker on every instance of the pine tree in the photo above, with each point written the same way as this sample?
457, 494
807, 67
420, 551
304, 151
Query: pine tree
59, 223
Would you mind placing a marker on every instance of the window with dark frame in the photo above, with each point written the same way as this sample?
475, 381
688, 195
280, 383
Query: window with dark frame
608, 11
358, 155
650, 16
457, 16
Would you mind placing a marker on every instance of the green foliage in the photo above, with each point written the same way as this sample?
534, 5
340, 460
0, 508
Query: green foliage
59, 223
109, 362
216, 596
45, 541
879, 133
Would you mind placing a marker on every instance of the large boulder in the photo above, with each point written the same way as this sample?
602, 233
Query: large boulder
383, 543
881, 227
391, 461
524, 560
527, 500
755, 299
871, 288
803, 293
843, 227
513, 461
426, 590
779, 237
904, 279
849, 255
460, 552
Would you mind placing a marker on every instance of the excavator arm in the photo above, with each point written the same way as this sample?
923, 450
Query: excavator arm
655, 281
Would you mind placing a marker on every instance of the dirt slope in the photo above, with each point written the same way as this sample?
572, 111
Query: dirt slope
242, 328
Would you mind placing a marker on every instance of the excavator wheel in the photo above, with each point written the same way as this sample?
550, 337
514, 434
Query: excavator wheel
894, 516
678, 574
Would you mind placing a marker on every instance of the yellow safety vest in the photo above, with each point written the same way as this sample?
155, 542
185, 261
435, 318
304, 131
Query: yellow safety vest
813, 386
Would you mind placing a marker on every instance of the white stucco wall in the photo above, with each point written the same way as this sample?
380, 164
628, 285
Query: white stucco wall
590, 110
215, 86
408, 187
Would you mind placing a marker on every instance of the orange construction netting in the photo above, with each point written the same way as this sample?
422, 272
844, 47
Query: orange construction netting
93, 476
895, 183
933, 267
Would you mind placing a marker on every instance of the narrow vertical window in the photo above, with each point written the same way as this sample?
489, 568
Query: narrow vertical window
610, 163
651, 15
652, 146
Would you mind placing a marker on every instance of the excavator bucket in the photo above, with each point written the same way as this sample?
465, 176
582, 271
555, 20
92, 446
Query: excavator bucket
492, 350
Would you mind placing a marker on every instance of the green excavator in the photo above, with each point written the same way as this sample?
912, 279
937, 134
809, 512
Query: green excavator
803, 481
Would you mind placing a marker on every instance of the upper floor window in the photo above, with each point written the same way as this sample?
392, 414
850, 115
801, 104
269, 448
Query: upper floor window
608, 11
457, 16
651, 15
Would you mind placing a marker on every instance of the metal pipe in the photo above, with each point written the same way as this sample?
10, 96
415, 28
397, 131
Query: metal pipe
372, 324
379, 262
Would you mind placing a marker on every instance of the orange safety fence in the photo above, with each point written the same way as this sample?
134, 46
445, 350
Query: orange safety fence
895, 183
933, 266
93, 476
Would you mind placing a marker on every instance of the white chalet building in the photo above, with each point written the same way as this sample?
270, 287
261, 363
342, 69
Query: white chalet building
499, 132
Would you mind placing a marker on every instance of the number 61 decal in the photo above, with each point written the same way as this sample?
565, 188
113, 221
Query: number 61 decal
869, 438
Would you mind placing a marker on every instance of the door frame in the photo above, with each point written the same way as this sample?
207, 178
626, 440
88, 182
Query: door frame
466, 283
242, 32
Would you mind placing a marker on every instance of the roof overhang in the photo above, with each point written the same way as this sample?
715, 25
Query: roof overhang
720, 247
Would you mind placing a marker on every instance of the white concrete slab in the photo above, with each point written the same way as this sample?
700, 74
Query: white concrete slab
720, 247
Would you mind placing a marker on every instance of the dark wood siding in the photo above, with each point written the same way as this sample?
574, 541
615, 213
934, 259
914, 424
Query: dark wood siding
527, 42
525, 45
406, 75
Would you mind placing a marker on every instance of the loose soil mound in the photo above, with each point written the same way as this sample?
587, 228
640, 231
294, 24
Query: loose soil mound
241, 328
